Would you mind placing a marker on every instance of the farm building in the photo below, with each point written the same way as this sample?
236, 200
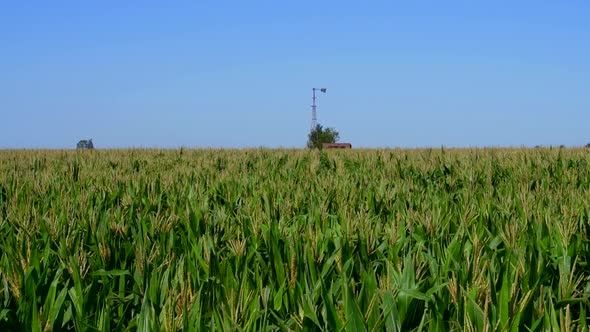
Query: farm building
336, 145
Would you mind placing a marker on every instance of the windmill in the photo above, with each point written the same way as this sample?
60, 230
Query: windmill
314, 119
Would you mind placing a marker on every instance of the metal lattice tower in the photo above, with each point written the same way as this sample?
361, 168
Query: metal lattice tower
314, 119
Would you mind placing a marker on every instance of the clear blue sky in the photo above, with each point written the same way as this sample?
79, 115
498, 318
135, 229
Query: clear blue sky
240, 73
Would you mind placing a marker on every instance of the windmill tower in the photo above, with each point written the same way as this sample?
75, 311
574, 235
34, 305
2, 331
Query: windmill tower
314, 119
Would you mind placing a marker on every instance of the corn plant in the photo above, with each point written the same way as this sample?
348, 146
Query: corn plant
251, 240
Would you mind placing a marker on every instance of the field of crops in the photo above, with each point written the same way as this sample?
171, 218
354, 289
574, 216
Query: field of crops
255, 240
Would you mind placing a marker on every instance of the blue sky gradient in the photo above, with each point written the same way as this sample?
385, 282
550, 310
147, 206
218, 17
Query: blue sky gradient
239, 74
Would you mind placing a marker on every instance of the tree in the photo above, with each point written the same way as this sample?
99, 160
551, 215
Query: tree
85, 144
321, 135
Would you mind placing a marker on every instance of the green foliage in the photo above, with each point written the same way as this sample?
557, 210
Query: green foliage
321, 135
259, 240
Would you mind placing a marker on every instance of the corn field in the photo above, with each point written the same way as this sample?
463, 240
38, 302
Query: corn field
290, 240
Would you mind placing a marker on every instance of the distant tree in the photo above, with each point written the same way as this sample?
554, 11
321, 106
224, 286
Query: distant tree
588, 145
321, 135
85, 144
